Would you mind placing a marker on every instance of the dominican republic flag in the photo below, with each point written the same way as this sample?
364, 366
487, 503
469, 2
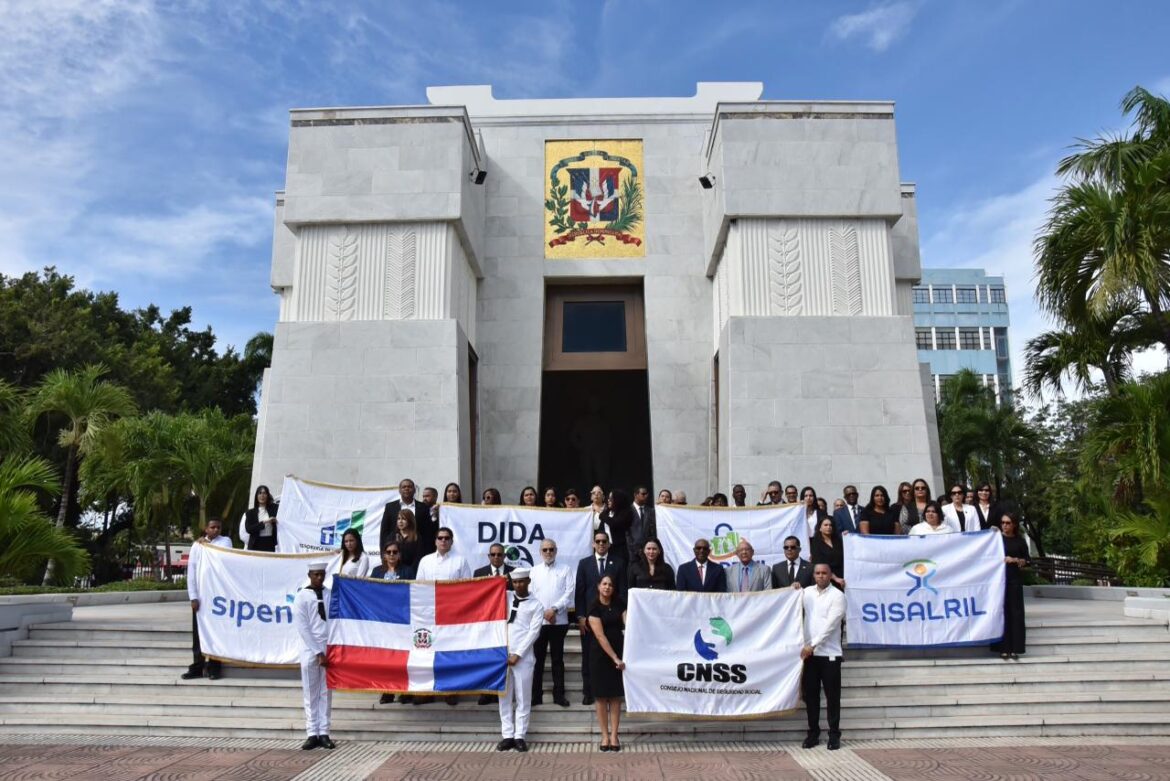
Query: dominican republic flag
389, 636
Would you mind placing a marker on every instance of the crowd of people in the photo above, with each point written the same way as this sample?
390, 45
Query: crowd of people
627, 554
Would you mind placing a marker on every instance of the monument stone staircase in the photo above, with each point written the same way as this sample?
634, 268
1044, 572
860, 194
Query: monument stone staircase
1088, 671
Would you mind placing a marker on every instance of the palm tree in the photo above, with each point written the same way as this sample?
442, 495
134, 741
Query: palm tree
88, 403
27, 536
13, 430
1102, 342
214, 459
1149, 532
1128, 439
1108, 233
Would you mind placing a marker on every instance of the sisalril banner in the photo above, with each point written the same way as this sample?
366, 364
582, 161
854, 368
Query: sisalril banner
713, 656
519, 530
245, 602
935, 590
314, 516
764, 527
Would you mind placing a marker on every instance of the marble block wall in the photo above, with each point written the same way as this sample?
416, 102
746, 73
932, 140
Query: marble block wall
366, 403
822, 401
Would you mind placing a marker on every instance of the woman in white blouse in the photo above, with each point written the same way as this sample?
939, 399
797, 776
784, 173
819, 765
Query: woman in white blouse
932, 522
353, 555
960, 514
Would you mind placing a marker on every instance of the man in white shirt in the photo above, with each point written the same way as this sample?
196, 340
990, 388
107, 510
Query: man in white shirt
443, 564
310, 617
524, 619
824, 611
552, 585
211, 536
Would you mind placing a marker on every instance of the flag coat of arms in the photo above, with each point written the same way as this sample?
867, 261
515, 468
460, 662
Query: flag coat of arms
417, 636
594, 199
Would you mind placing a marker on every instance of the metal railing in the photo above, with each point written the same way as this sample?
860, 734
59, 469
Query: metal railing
1062, 571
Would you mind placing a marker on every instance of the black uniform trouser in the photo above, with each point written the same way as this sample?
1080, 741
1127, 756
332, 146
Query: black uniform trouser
587, 646
552, 639
200, 662
820, 672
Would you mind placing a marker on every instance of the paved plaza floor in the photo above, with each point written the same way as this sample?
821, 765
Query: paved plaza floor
212, 757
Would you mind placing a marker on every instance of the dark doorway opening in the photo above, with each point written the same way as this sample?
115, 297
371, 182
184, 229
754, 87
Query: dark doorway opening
595, 428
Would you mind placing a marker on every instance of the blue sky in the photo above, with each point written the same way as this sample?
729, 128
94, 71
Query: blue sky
140, 142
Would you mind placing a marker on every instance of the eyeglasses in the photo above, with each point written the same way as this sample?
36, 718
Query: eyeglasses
392, 552
496, 554
444, 537
919, 488
984, 490
905, 490
702, 547
548, 550
601, 540
956, 493
791, 547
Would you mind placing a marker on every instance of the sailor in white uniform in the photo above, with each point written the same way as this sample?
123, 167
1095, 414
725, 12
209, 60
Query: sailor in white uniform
524, 620
310, 615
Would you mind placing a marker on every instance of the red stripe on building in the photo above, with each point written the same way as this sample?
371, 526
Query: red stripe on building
359, 667
471, 602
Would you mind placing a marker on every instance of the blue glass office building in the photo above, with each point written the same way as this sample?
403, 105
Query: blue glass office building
961, 322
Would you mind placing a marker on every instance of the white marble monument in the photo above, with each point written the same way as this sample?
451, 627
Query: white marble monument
771, 319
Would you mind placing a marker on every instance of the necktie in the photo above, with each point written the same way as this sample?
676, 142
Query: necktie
743, 577
701, 568
853, 509
515, 604
320, 601
601, 566
792, 571
641, 513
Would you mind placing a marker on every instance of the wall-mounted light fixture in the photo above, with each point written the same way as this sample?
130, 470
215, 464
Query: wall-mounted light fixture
707, 180
478, 175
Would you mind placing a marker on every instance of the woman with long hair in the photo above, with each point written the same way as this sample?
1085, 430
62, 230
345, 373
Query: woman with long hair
492, 496
353, 555
617, 519
651, 570
260, 521
607, 619
826, 548
407, 537
452, 494
958, 513
986, 508
1015, 559
877, 517
813, 514
528, 496
598, 505
550, 497
911, 512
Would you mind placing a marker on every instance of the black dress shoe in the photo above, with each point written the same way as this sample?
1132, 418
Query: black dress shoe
486, 699
325, 741
810, 741
521, 745
507, 744
834, 744
587, 700
405, 699
605, 747
562, 701
310, 743
191, 674
386, 699
452, 701
537, 701
616, 747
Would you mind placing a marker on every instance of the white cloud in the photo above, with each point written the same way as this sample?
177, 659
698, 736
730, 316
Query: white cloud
996, 234
879, 27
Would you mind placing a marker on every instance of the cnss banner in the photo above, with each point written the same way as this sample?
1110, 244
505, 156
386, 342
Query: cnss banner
401, 636
245, 602
519, 530
935, 590
314, 516
764, 527
713, 655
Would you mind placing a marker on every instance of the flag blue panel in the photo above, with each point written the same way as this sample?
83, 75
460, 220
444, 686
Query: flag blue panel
366, 600
483, 669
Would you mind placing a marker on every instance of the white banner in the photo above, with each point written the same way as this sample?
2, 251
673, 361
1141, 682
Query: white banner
519, 530
764, 527
713, 655
314, 516
245, 602
936, 590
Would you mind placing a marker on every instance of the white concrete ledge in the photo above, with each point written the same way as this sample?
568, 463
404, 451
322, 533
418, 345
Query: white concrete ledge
92, 598
1098, 593
1156, 608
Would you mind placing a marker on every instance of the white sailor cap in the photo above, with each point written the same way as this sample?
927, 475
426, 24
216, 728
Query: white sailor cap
318, 566
520, 573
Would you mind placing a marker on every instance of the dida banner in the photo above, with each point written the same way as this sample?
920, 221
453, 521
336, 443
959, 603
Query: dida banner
937, 590
713, 656
245, 602
519, 530
764, 527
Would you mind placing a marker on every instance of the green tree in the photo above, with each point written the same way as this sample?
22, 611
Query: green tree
28, 538
1107, 238
1128, 441
13, 427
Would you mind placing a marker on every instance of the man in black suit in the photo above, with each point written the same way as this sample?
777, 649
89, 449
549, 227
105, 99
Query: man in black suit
700, 573
590, 571
422, 519
793, 569
495, 566
644, 525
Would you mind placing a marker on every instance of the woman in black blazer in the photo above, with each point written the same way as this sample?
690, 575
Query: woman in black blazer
260, 521
651, 569
986, 507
